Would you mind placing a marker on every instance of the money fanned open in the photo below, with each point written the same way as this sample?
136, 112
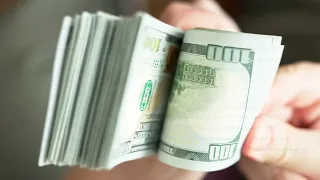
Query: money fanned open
124, 88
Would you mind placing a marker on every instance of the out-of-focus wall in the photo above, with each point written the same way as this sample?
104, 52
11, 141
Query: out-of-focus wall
28, 36
298, 21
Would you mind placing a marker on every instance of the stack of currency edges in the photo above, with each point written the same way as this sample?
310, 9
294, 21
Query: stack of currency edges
91, 67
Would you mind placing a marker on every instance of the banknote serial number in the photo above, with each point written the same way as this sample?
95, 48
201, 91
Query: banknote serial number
221, 152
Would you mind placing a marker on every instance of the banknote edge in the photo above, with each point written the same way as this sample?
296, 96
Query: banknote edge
55, 80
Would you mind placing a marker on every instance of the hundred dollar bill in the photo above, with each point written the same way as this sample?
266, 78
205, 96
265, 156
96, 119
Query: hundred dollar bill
144, 102
220, 84
125, 88
111, 107
55, 81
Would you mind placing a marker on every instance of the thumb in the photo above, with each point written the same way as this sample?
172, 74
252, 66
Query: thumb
209, 5
277, 143
199, 13
214, 7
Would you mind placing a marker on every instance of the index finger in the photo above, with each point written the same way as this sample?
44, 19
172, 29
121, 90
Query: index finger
296, 85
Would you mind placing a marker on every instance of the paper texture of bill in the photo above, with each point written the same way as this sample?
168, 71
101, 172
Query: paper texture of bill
125, 88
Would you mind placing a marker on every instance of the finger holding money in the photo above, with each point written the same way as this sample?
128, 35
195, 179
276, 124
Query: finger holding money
199, 13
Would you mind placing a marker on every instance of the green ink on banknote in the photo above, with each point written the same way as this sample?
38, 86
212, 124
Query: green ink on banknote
146, 95
152, 43
196, 73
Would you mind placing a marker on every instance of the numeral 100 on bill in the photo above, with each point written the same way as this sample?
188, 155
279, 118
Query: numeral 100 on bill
152, 43
221, 152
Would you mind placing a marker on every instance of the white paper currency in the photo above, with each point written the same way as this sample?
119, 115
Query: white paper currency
122, 85
147, 89
60, 52
220, 85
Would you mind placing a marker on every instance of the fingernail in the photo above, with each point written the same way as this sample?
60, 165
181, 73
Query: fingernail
258, 141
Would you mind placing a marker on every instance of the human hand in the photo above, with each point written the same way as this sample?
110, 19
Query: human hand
284, 142
199, 13
149, 168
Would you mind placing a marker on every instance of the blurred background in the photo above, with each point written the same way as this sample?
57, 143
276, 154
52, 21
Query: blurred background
28, 33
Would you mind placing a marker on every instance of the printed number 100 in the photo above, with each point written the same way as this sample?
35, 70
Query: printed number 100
152, 43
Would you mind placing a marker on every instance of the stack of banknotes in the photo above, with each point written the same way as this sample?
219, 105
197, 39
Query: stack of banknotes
125, 88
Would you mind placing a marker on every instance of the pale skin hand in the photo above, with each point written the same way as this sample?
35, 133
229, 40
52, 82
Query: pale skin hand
291, 154
142, 169
285, 139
